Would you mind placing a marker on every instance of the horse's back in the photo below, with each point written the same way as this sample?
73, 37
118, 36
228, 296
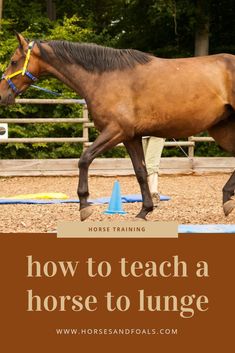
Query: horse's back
166, 97
174, 76
183, 96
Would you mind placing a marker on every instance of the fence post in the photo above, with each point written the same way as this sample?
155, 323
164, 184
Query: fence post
190, 148
85, 133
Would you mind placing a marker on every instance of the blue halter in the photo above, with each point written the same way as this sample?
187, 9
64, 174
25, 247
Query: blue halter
23, 72
13, 86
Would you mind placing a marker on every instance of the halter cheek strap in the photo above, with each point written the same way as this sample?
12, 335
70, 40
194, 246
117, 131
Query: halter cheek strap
23, 72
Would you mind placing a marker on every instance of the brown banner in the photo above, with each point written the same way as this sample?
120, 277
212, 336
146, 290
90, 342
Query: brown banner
65, 295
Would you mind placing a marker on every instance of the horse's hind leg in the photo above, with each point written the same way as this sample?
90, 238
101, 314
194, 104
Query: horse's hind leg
224, 134
228, 193
106, 140
135, 150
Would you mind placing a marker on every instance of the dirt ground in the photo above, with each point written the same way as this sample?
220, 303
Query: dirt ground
194, 199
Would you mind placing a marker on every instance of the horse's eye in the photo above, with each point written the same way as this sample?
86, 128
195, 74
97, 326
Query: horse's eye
13, 62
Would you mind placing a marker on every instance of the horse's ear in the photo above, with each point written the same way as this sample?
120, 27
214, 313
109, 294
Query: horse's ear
22, 41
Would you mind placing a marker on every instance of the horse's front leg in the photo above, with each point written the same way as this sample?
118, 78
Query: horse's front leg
108, 138
135, 150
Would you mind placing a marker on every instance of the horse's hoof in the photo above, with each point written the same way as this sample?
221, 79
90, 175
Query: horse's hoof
86, 212
140, 219
228, 206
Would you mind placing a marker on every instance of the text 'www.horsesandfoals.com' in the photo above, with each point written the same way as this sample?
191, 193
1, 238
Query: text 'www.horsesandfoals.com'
116, 331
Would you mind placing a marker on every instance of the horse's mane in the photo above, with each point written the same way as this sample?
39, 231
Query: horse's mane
93, 57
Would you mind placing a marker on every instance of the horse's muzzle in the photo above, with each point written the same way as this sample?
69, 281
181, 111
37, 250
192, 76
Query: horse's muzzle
7, 100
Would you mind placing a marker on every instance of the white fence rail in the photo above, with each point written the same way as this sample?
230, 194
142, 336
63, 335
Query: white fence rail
86, 124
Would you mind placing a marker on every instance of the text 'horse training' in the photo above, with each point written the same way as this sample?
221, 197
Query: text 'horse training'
131, 94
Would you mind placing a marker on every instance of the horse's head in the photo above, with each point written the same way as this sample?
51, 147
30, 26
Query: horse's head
21, 72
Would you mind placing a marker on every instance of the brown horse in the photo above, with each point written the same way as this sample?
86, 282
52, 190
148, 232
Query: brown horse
131, 94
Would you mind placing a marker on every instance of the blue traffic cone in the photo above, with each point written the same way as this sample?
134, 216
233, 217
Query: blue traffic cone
115, 203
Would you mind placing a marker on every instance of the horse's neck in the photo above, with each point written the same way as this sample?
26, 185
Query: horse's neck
75, 77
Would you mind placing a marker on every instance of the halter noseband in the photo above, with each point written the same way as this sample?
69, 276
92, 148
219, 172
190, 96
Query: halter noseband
23, 72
